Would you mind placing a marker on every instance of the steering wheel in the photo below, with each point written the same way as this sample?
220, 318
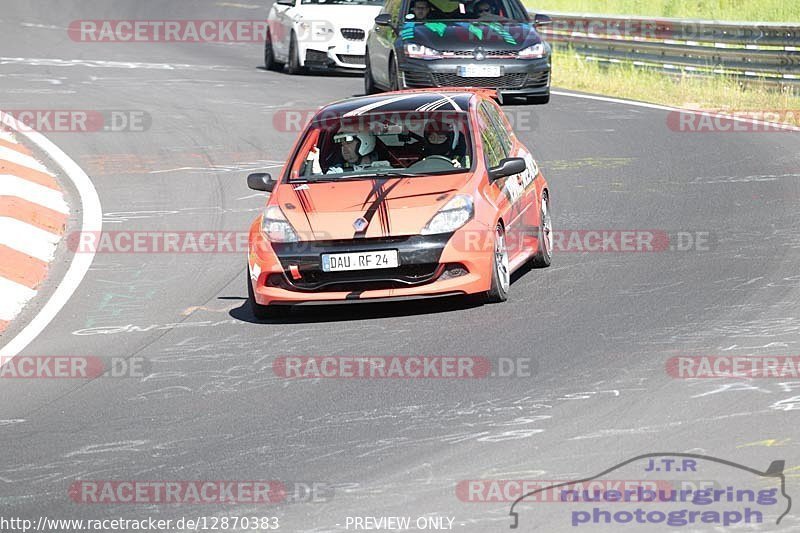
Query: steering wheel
439, 157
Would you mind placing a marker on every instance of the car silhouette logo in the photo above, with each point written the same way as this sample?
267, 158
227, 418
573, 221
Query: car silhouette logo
360, 224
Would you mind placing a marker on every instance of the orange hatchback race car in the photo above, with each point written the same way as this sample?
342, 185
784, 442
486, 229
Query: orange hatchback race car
410, 194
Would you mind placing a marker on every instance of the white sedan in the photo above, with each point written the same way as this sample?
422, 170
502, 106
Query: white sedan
328, 34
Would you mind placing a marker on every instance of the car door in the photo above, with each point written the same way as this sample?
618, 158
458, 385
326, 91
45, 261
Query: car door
281, 34
524, 212
498, 144
381, 42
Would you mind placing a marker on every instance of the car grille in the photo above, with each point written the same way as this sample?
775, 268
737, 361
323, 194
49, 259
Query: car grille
417, 79
489, 54
315, 56
507, 81
353, 34
351, 59
378, 279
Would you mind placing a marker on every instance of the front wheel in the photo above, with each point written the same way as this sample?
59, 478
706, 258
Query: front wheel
294, 57
263, 312
544, 252
501, 273
394, 76
269, 55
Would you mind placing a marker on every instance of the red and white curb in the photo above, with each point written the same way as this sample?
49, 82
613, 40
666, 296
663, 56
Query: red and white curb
33, 217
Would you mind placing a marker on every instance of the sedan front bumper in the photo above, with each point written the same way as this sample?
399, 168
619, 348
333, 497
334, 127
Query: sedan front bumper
433, 265
520, 77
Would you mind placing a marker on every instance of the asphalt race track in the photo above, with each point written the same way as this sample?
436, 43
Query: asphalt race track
599, 327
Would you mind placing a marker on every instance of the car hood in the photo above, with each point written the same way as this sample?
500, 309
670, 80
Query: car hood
392, 207
340, 16
469, 35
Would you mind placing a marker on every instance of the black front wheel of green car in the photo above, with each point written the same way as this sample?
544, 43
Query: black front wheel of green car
394, 76
501, 272
263, 312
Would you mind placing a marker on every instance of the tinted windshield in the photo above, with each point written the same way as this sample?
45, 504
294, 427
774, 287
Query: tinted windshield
405, 143
484, 10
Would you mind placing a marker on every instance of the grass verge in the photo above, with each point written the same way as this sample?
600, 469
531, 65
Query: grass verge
733, 10
723, 94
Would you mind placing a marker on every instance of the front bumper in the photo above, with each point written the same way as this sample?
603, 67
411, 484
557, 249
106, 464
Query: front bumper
434, 265
338, 55
523, 77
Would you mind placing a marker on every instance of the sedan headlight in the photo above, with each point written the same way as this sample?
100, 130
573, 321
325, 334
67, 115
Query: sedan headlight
276, 227
417, 51
532, 52
457, 212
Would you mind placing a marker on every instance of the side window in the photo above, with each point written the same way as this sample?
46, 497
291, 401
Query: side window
497, 121
493, 150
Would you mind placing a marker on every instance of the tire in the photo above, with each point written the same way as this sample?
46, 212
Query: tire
269, 55
369, 81
264, 312
294, 66
394, 76
544, 254
501, 274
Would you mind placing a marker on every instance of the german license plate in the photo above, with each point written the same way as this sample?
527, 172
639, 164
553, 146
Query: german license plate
480, 71
359, 261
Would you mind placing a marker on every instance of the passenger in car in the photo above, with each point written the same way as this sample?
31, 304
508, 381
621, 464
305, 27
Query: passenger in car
485, 10
422, 9
358, 153
443, 140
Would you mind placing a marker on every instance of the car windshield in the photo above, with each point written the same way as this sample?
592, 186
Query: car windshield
344, 2
477, 10
411, 143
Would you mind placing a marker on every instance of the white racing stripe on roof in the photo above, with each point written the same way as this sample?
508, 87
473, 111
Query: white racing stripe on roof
27, 239
19, 158
15, 296
374, 105
33, 192
7, 136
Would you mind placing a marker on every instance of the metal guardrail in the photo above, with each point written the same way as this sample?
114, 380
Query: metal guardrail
764, 52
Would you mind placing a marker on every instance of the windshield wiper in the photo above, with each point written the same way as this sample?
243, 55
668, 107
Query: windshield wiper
356, 176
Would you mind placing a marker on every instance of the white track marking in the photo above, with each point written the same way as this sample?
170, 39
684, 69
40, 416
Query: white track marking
680, 109
33, 192
15, 296
94, 63
92, 222
18, 158
28, 239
